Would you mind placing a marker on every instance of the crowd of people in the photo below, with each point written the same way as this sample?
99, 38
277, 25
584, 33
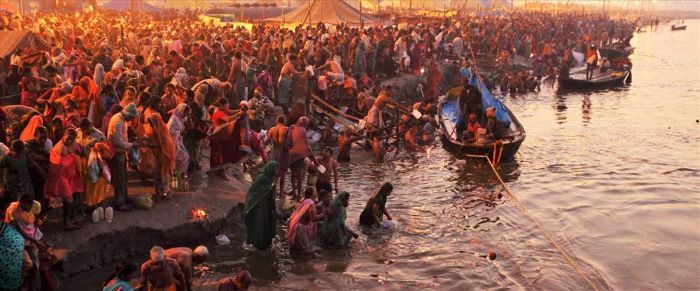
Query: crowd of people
149, 93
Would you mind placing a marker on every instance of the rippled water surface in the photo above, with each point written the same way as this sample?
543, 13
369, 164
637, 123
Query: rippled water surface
614, 175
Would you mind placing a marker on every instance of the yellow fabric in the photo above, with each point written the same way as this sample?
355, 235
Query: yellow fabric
94, 192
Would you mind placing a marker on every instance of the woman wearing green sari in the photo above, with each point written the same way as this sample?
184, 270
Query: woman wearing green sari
374, 212
334, 232
259, 212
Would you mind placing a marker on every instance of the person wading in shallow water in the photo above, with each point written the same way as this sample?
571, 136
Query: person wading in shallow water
334, 231
186, 258
240, 282
374, 212
161, 273
323, 180
259, 212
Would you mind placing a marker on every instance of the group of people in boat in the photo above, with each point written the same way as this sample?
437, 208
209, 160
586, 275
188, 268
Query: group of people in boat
102, 101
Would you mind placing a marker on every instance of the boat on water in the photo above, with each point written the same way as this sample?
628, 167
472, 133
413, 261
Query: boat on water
679, 27
610, 78
619, 72
512, 132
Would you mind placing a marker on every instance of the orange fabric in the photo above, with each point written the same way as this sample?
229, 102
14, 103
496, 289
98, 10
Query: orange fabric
82, 100
28, 133
166, 146
105, 149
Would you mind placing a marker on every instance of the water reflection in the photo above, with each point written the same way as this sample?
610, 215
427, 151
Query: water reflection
586, 109
560, 108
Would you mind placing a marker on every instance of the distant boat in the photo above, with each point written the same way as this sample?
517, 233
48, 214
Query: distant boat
507, 147
610, 78
680, 27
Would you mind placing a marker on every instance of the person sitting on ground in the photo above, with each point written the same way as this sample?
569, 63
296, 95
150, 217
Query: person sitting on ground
240, 282
161, 273
374, 211
187, 258
469, 135
323, 181
119, 280
334, 231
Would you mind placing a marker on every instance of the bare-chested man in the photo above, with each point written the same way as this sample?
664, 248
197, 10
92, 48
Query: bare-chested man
374, 116
280, 152
240, 282
161, 273
323, 180
345, 140
300, 150
186, 258
379, 148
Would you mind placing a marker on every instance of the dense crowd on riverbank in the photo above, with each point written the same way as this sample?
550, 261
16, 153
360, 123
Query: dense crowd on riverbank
114, 93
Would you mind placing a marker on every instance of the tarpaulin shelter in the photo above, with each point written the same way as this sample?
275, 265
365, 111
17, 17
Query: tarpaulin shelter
121, 5
326, 11
14, 40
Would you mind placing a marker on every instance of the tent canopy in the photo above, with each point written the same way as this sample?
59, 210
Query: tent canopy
326, 11
14, 40
121, 5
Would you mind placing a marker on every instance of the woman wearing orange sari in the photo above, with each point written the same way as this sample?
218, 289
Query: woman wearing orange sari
28, 133
164, 149
89, 100
64, 178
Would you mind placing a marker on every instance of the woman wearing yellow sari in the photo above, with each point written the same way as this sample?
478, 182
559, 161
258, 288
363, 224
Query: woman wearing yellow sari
94, 191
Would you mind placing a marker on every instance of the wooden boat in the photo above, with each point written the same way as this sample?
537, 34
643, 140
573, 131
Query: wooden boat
607, 79
680, 27
448, 115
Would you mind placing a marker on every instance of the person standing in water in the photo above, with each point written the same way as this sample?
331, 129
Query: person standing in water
323, 180
334, 231
374, 212
259, 212
280, 152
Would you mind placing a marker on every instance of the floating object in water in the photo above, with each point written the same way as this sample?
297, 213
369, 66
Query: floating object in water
492, 256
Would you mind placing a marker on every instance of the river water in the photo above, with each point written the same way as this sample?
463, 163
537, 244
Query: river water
613, 175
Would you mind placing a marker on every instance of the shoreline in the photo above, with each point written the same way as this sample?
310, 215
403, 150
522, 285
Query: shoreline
133, 233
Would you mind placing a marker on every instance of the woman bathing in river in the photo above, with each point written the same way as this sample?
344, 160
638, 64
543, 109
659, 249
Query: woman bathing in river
374, 212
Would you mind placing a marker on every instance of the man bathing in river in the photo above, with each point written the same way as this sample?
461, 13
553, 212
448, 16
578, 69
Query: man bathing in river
300, 149
161, 273
186, 258
345, 140
323, 180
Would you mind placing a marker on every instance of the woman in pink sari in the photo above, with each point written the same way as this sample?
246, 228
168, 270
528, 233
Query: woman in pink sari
64, 178
302, 225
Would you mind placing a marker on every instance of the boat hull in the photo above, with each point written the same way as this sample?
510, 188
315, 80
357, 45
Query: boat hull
573, 83
507, 148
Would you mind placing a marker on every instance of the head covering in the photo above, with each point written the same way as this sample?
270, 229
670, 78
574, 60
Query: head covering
244, 103
260, 187
118, 64
303, 121
28, 133
296, 217
165, 144
338, 200
66, 86
177, 119
98, 76
130, 111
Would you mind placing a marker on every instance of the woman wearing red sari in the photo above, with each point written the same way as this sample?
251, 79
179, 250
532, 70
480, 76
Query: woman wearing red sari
64, 178
225, 138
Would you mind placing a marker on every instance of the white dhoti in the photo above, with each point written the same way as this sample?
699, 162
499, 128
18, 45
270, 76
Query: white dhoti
374, 117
